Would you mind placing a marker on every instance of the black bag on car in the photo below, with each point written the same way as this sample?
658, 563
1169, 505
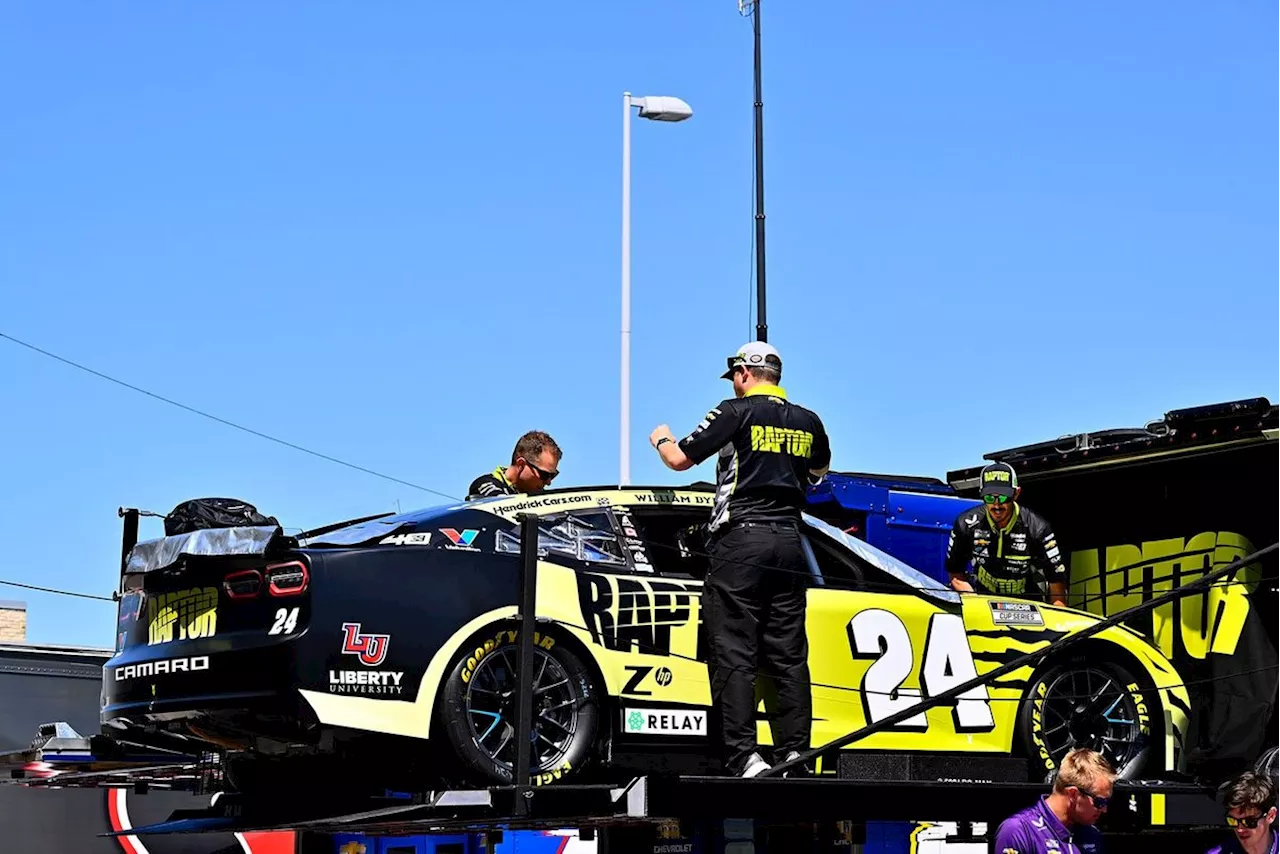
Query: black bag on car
202, 513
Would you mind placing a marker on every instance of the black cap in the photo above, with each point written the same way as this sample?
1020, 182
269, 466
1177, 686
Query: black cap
998, 479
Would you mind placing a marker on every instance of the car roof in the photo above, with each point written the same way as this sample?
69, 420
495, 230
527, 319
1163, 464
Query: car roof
509, 507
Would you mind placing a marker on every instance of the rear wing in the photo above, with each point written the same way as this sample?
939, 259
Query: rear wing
162, 552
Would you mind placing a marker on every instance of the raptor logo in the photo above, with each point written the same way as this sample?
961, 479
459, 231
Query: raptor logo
639, 615
370, 649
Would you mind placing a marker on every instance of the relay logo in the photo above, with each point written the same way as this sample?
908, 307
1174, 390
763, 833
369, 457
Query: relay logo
460, 539
664, 722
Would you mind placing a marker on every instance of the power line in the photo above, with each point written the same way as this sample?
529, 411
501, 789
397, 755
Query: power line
225, 421
53, 590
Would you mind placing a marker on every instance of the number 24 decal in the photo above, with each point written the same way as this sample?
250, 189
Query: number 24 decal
286, 621
880, 635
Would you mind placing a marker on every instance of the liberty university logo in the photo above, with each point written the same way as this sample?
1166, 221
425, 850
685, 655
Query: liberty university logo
371, 649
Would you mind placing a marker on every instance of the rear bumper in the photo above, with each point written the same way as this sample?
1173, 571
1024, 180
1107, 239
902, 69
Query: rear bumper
202, 680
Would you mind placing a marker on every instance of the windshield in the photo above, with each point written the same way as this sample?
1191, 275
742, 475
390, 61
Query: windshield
886, 563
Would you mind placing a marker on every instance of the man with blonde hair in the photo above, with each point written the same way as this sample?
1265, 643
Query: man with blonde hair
1062, 822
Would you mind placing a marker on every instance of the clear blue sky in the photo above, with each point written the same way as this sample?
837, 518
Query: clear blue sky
390, 233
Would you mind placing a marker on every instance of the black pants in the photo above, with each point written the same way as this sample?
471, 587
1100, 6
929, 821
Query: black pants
754, 607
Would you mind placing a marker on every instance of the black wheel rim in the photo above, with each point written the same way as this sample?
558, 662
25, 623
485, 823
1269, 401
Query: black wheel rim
1089, 708
491, 709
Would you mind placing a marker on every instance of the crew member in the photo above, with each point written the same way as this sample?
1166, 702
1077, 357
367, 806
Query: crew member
535, 462
1005, 541
1062, 822
1250, 800
753, 602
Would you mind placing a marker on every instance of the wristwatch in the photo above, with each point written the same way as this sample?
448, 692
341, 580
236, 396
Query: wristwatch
658, 444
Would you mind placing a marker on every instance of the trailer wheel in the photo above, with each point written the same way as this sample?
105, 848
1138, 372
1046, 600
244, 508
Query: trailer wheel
1094, 704
478, 707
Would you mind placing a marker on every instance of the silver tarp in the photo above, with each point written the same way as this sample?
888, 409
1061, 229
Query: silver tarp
159, 553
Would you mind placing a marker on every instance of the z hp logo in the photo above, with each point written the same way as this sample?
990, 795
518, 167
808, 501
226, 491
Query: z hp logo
371, 649
662, 678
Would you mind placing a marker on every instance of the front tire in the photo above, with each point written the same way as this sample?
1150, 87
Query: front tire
478, 707
1085, 702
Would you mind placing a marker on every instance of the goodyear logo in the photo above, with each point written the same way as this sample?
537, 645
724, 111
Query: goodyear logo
782, 440
182, 615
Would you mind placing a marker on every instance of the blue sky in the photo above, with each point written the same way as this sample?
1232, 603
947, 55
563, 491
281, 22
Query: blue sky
390, 233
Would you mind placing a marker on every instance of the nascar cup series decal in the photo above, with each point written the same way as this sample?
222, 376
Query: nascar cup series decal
371, 651
1016, 614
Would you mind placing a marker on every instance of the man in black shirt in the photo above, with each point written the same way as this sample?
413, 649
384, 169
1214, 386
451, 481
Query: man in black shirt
535, 462
1005, 541
770, 450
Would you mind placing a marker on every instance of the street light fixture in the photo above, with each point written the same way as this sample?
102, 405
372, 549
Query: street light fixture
659, 108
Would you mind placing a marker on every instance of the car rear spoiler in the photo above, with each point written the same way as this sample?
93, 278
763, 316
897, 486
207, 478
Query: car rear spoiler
162, 552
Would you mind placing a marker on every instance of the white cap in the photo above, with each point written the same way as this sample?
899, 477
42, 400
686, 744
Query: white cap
753, 354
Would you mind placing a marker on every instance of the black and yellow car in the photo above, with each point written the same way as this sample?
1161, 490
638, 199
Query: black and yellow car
386, 650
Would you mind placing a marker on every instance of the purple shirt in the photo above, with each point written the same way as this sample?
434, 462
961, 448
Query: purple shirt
1036, 830
1233, 846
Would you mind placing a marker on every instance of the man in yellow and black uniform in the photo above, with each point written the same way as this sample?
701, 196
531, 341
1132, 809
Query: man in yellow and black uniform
770, 450
1006, 542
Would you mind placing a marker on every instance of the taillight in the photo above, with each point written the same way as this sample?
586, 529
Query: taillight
287, 579
244, 584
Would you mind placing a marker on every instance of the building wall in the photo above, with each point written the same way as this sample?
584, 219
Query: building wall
13, 621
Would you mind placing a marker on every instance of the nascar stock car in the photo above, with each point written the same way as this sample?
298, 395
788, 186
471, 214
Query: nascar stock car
386, 649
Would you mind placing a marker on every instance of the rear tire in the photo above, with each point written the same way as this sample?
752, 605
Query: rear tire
1083, 702
478, 711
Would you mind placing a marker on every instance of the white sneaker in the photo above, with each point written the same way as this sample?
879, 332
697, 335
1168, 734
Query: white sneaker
755, 765
799, 770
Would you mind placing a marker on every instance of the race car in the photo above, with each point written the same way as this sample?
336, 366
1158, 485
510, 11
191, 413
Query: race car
387, 650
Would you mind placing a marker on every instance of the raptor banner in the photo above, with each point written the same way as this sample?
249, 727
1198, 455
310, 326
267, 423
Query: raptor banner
1134, 529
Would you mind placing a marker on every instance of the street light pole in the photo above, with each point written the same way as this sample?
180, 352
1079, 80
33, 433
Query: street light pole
624, 436
659, 108
762, 326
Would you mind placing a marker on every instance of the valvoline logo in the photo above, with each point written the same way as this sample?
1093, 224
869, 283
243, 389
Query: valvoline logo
460, 538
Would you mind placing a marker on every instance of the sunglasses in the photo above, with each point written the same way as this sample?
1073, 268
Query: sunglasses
1098, 802
997, 499
1250, 821
543, 475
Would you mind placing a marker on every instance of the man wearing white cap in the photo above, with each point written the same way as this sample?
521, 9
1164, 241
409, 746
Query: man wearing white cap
770, 450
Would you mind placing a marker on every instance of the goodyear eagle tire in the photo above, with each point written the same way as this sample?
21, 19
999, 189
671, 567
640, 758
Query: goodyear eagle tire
1090, 703
478, 707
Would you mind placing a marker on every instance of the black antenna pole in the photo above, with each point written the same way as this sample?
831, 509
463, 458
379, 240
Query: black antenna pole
762, 327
